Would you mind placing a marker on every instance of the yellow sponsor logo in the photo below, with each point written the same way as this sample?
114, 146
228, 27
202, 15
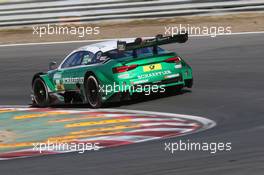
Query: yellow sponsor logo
60, 87
152, 67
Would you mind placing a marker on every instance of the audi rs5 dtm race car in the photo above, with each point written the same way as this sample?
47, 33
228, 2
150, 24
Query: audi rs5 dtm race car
112, 71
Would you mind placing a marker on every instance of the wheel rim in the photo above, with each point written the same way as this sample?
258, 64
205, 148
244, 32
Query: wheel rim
40, 92
92, 90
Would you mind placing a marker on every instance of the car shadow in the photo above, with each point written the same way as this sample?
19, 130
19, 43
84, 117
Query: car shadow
140, 98
145, 98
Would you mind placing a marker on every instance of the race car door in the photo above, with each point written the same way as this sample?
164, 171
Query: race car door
72, 69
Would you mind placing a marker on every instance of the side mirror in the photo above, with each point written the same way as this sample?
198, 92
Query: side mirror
52, 65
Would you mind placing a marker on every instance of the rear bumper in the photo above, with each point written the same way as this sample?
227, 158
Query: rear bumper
134, 83
137, 89
163, 83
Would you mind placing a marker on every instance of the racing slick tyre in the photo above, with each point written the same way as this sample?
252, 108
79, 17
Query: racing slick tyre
41, 95
189, 83
92, 93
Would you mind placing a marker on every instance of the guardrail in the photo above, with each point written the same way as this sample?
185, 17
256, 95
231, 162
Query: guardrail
32, 13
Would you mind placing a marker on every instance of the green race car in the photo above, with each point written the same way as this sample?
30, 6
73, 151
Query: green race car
113, 71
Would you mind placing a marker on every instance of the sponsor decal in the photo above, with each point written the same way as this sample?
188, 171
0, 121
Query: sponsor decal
154, 74
73, 80
123, 76
139, 82
60, 87
57, 76
172, 76
178, 66
152, 67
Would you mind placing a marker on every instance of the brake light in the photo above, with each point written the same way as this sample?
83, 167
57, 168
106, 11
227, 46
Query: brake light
124, 68
173, 60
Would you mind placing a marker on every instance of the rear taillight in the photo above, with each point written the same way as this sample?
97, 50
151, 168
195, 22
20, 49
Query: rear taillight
173, 60
124, 68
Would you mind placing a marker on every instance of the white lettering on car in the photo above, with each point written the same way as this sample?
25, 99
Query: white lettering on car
73, 80
166, 72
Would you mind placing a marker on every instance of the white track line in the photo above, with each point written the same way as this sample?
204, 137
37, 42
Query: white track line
98, 40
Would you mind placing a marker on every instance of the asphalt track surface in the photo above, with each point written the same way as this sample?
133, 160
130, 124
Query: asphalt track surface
228, 89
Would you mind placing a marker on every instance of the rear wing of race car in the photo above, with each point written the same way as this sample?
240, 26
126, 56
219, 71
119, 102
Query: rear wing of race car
152, 42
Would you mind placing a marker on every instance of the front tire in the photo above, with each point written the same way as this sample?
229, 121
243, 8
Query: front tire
41, 95
93, 95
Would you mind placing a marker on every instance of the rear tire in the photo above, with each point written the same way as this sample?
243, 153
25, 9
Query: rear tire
189, 83
92, 93
41, 95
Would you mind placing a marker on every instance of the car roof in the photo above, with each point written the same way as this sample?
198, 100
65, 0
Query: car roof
104, 46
